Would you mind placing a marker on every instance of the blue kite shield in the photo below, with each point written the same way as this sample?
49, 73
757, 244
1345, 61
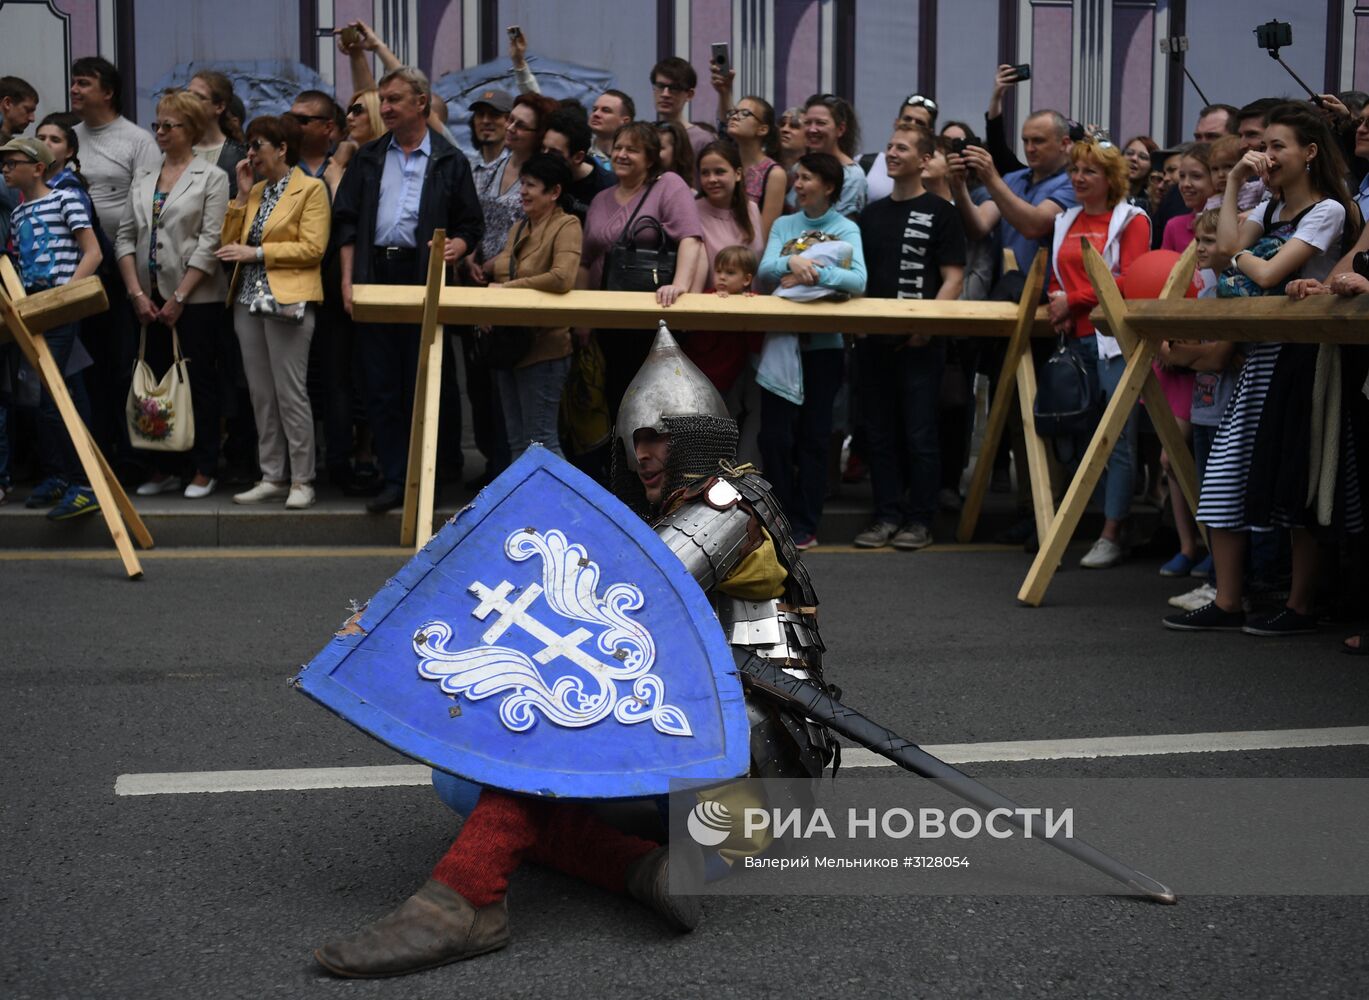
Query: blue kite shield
544, 642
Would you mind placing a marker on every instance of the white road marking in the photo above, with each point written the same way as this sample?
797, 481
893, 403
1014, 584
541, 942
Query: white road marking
310, 778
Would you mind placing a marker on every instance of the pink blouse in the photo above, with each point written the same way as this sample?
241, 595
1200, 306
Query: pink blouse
668, 200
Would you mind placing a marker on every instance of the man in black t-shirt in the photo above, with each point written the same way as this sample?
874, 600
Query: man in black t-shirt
569, 137
914, 249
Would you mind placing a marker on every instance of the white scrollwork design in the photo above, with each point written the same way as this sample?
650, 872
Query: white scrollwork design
588, 692
570, 579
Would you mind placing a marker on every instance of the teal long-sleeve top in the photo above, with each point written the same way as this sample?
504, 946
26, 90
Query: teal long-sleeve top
775, 264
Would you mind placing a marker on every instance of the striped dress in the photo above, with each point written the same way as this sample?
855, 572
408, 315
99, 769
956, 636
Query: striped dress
1221, 502
1225, 489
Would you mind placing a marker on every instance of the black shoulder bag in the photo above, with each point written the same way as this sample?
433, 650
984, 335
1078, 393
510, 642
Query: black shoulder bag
630, 268
505, 346
1067, 401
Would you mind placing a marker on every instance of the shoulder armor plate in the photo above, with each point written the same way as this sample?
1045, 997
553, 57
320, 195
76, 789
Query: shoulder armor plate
709, 540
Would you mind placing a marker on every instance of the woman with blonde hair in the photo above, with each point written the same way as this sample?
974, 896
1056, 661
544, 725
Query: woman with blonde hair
1120, 232
165, 254
363, 125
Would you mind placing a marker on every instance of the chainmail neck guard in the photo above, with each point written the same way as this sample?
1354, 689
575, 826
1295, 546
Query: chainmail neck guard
698, 447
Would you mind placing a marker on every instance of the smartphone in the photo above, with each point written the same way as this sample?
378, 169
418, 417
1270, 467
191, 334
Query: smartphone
515, 32
1023, 71
721, 59
960, 145
1274, 35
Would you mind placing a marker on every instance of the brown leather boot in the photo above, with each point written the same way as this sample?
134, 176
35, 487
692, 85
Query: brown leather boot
648, 882
434, 926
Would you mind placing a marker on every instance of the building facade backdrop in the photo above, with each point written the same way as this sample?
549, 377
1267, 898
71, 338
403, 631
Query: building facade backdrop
1098, 59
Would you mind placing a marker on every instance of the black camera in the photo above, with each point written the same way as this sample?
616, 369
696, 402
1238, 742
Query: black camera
1360, 263
1274, 35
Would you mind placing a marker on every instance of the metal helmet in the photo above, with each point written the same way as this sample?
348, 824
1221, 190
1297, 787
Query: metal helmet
668, 385
671, 396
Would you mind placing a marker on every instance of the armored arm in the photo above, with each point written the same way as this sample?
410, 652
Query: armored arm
710, 532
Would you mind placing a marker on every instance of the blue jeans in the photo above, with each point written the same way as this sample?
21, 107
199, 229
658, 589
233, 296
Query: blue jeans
800, 491
1117, 481
56, 454
531, 399
899, 391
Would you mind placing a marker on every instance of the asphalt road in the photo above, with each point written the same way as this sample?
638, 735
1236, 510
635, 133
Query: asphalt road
226, 895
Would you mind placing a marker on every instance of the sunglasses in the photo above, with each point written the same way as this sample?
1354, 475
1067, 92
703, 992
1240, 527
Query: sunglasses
674, 88
305, 119
256, 144
917, 100
356, 109
165, 126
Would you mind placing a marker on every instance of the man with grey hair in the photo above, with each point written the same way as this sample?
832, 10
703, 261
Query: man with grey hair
1024, 203
397, 190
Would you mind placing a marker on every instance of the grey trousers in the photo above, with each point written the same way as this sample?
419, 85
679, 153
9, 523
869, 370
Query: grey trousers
275, 356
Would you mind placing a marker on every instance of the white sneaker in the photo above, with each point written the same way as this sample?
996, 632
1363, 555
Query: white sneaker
1104, 554
154, 486
301, 496
193, 492
1195, 598
263, 492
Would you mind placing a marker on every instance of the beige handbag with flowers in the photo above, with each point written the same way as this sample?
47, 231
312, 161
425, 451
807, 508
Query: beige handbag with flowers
160, 414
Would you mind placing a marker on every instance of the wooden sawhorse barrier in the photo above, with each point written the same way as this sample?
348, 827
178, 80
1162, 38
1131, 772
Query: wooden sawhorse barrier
1138, 381
435, 304
25, 318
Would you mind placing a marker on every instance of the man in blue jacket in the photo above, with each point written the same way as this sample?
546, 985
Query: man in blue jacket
397, 190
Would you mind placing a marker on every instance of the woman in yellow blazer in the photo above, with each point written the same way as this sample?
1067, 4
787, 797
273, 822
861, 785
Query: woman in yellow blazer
275, 233
543, 251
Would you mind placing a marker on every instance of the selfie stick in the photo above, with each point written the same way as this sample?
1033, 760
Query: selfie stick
1312, 94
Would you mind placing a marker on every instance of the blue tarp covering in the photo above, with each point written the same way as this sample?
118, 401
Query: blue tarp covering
558, 80
269, 86
265, 86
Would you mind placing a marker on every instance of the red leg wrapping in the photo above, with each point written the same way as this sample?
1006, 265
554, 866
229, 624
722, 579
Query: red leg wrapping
498, 832
577, 842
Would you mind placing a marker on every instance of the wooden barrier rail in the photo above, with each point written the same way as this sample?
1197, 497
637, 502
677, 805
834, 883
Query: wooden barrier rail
740, 313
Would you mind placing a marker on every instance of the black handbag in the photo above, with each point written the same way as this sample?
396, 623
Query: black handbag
505, 346
632, 268
1067, 401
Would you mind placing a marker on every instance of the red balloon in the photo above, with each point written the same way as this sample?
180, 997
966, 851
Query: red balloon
1146, 276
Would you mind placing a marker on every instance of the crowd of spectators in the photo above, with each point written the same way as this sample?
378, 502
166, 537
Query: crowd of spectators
237, 245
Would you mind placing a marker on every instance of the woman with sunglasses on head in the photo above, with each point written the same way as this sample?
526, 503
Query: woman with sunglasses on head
751, 125
222, 142
274, 234
915, 110
165, 252
830, 127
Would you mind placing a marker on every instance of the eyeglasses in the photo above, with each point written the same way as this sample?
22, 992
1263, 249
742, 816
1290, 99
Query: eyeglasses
11, 164
256, 144
741, 113
675, 88
917, 100
305, 119
356, 109
165, 126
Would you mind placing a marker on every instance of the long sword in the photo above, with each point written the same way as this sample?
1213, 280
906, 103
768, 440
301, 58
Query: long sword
820, 706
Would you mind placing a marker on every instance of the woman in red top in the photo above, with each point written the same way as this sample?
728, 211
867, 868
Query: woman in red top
1120, 232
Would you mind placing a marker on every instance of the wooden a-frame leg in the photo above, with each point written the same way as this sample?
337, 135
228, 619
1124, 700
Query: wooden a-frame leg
1017, 354
420, 480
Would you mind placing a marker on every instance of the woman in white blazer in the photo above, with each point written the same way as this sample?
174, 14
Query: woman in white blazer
165, 250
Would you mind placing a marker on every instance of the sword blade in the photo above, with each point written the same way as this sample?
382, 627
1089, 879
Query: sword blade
820, 706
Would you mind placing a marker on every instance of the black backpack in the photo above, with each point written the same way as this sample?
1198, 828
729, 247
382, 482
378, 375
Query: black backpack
1067, 402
